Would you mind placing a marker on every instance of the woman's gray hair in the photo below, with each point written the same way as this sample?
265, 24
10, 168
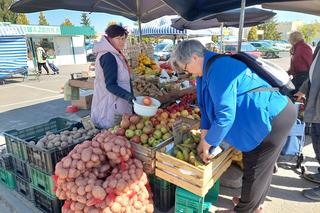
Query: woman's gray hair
184, 52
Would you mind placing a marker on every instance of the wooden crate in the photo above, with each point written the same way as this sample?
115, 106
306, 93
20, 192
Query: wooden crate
148, 155
197, 180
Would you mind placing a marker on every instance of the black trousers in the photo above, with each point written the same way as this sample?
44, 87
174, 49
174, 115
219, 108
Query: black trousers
298, 80
315, 136
259, 163
44, 65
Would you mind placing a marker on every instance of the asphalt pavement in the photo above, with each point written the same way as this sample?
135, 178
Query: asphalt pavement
30, 102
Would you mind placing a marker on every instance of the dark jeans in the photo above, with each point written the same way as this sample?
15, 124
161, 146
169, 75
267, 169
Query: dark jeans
44, 65
259, 163
298, 80
315, 136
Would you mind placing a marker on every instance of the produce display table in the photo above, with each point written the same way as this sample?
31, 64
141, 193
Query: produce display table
82, 84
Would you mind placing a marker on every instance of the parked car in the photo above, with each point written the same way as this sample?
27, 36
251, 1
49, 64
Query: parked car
245, 47
282, 45
162, 51
90, 56
268, 50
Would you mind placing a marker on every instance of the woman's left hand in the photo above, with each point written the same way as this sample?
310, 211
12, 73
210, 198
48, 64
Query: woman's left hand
203, 151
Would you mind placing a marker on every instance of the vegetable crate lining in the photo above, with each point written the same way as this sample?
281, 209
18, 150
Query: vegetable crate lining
24, 188
16, 140
197, 180
148, 155
42, 182
21, 169
7, 178
46, 203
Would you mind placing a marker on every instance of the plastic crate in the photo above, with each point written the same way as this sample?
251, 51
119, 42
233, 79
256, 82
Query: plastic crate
6, 161
24, 188
7, 178
47, 203
21, 169
42, 181
46, 160
187, 202
163, 193
17, 140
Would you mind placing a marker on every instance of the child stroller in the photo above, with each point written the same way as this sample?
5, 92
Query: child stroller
291, 155
53, 67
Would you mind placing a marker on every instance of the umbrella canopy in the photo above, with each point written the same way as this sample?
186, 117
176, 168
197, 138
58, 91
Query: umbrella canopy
305, 6
254, 16
141, 10
196, 9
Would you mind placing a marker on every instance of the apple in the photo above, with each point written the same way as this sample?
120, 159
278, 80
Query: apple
129, 133
135, 139
159, 126
157, 134
147, 123
138, 132
144, 138
184, 113
147, 130
151, 141
147, 101
173, 115
140, 125
164, 115
134, 119
166, 136
120, 132
163, 130
132, 127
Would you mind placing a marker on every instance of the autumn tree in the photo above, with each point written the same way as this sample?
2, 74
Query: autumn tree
5, 14
270, 30
67, 22
253, 34
42, 19
310, 31
22, 19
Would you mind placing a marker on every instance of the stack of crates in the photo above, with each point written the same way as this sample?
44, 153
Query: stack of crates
187, 202
33, 167
6, 174
163, 193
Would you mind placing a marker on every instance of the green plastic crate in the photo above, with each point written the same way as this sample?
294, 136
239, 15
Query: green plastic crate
187, 202
17, 140
42, 182
7, 178
159, 182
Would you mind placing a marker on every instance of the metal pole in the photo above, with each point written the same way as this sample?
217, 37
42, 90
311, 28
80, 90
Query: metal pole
242, 13
140, 30
221, 38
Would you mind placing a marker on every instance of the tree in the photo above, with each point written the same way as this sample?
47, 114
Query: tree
310, 31
42, 19
85, 21
22, 19
270, 30
67, 22
5, 14
253, 34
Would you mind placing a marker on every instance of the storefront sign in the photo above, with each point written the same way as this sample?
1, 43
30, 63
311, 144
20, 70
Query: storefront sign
41, 30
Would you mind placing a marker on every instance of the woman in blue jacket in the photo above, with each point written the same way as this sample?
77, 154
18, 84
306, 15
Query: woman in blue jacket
255, 121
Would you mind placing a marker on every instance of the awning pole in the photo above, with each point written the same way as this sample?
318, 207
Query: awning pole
221, 37
242, 13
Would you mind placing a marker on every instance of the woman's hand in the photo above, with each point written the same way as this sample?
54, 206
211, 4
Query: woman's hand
203, 151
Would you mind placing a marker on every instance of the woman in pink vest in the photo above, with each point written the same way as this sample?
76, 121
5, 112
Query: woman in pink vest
112, 86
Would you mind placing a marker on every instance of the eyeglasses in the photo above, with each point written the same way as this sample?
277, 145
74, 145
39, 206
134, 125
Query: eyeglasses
185, 68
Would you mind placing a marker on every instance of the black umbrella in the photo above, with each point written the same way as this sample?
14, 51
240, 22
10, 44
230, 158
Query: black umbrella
308, 6
254, 16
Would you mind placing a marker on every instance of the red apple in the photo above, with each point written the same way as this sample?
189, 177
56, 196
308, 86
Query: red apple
147, 101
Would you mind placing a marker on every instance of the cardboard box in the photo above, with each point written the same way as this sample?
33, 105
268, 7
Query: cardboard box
84, 102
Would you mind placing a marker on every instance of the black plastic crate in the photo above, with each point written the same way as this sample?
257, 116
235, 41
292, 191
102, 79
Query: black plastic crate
17, 140
21, 169
163, 193
6, 161
24, 188
46, 203
46, 160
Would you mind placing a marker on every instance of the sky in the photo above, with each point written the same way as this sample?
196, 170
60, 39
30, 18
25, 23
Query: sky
100, 20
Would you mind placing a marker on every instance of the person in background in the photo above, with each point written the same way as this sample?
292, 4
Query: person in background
42, 59
301, 59
113, 93
310, 90
241, 108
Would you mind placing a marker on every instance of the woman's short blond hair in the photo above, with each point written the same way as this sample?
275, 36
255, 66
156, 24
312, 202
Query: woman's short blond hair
295, 37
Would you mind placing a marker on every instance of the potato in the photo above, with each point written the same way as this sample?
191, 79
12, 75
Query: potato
97, 151
66, 162
98, 192
70, 139
64, 144
76, 156
95, 144
88, 188
108, 147
72, 173
86, 154
95, 158
116, 207
123, 151
113, 183
112, 156
89, 165
81, 199
76, 135
116, 148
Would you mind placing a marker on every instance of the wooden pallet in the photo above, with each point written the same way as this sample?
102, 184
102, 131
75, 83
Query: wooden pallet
197, 180
148, 155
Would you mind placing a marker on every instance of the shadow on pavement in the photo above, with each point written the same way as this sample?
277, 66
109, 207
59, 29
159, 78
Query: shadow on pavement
36, 114
285, 194
291, 182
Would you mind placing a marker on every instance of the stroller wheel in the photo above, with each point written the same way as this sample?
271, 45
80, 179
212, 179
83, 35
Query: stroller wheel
303, 169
